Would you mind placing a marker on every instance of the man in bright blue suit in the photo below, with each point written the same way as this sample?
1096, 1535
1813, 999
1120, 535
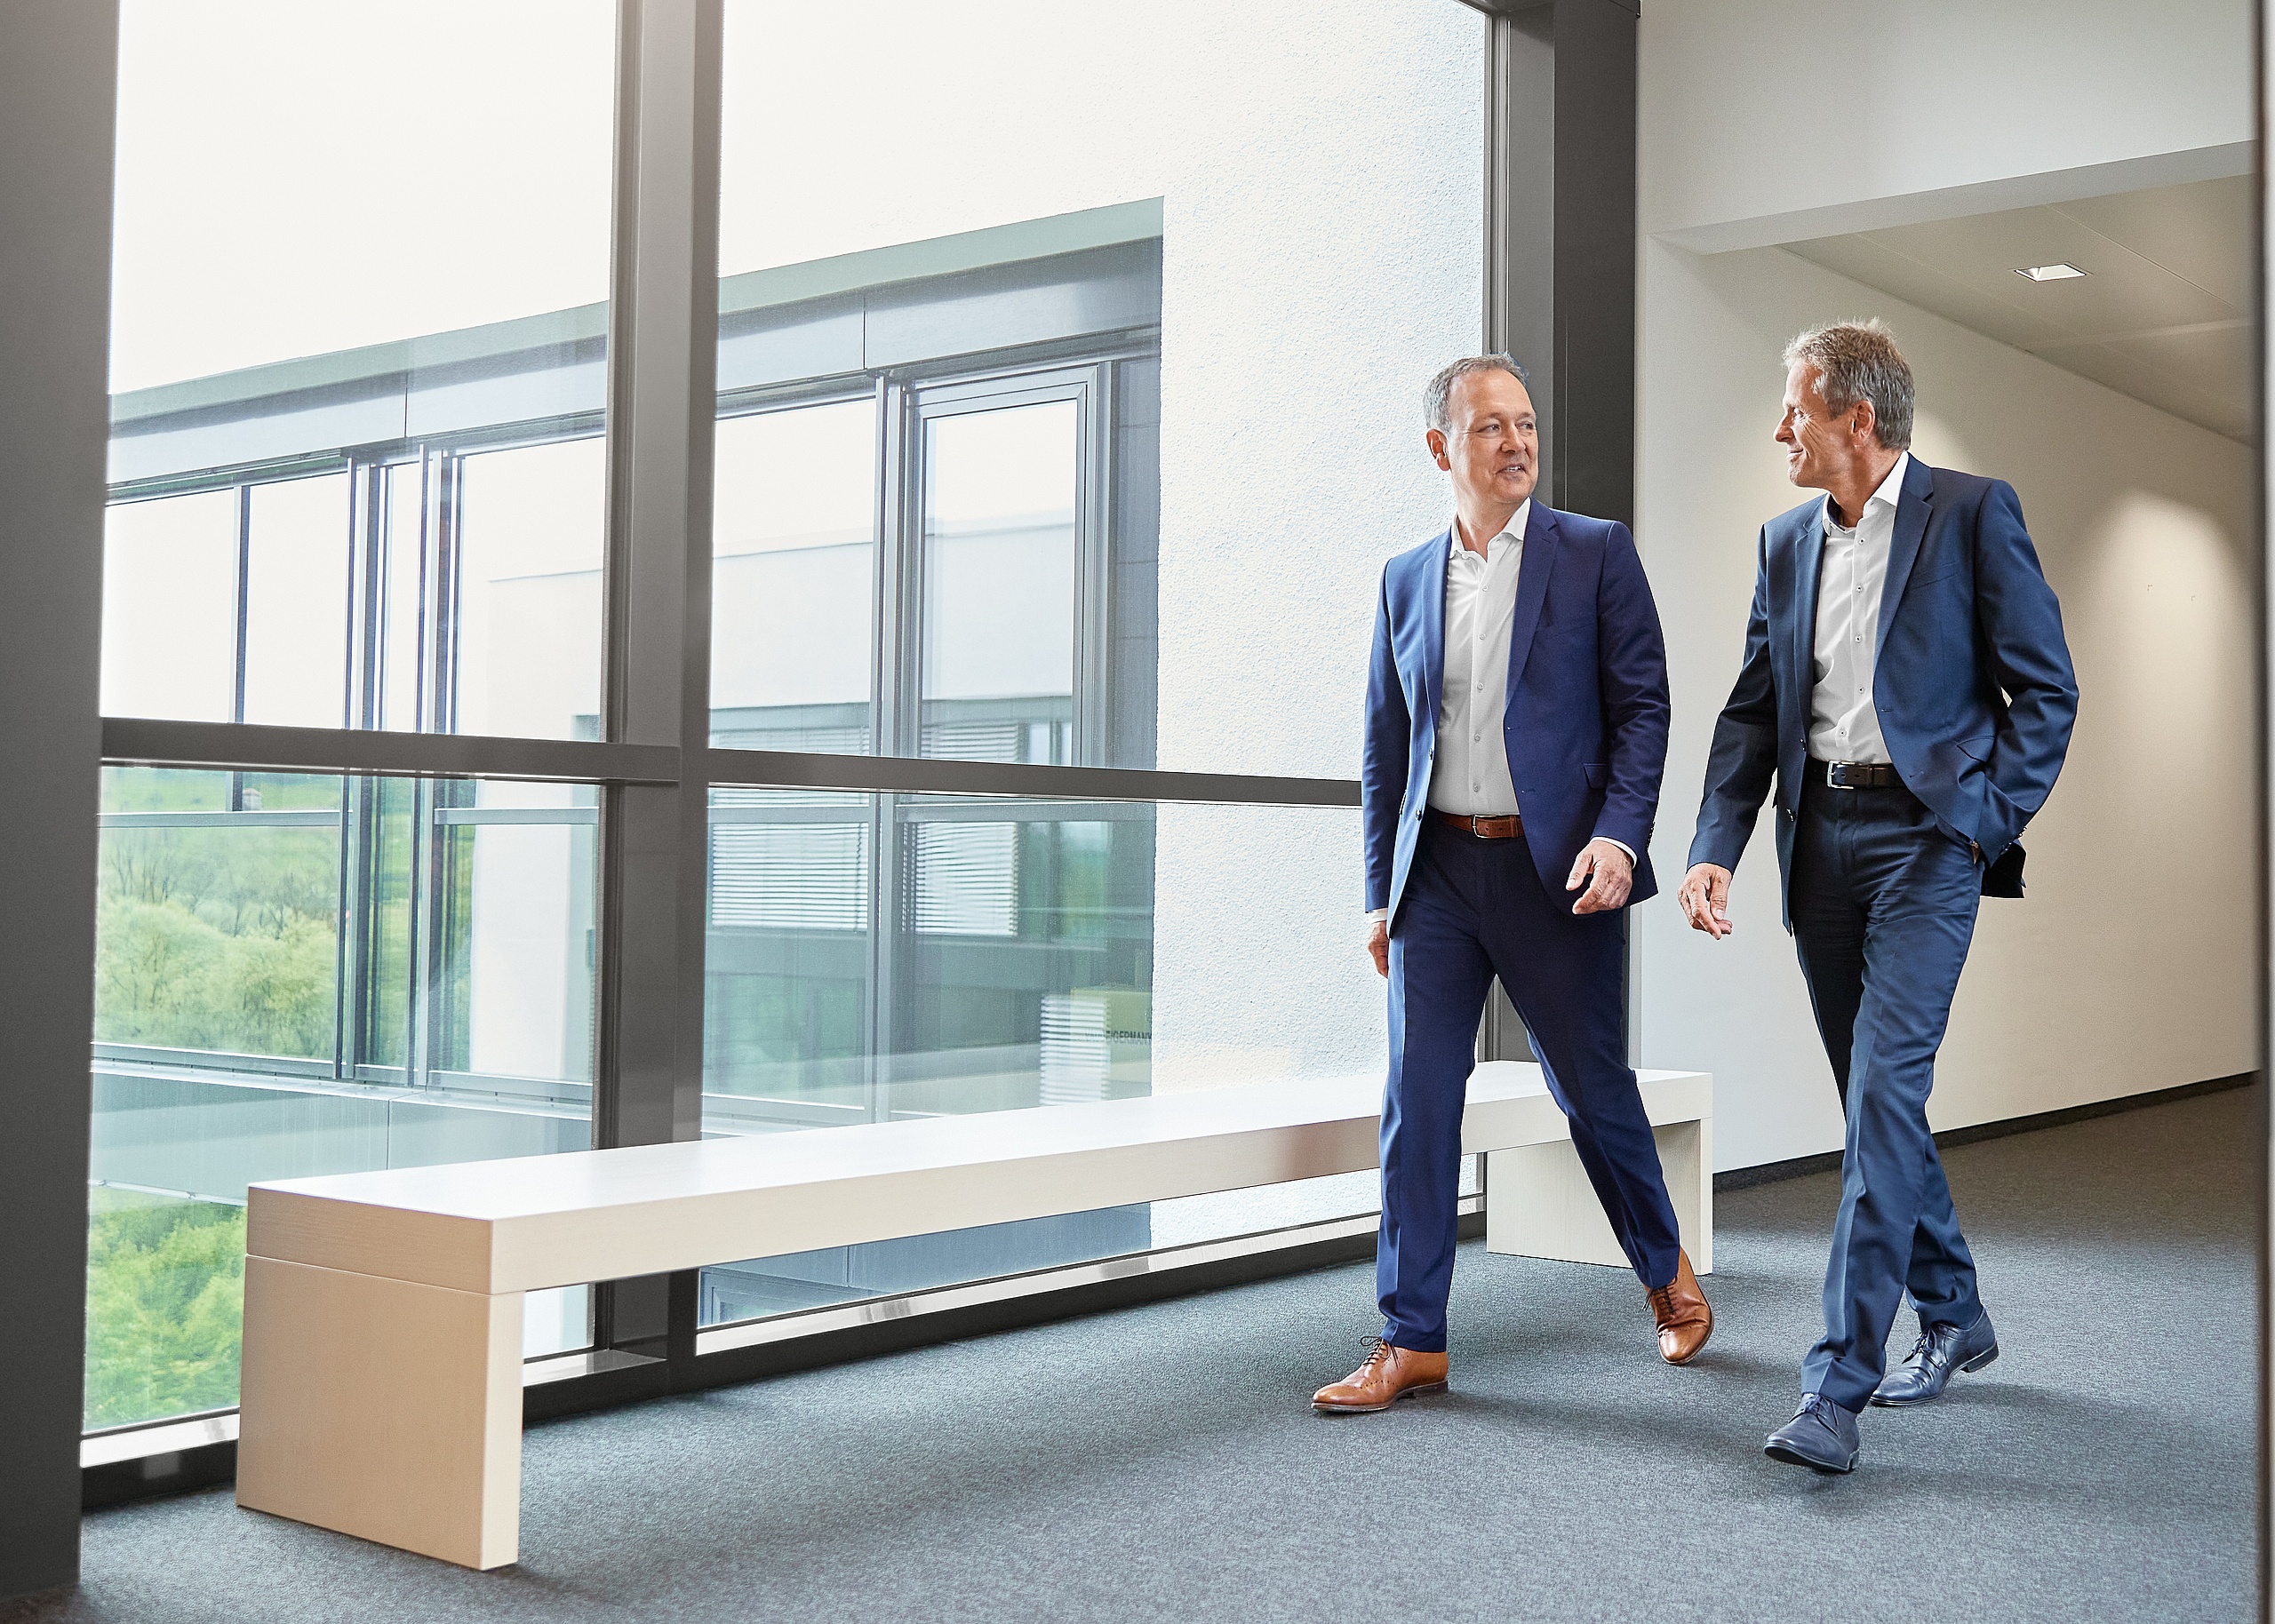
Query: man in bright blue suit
1907, 683
1516, 732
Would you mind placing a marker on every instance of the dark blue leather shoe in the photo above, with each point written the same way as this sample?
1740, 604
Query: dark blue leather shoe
1940, 1349
1821, 1435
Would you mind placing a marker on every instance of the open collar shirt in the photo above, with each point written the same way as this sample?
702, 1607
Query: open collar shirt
1851, 582
1471, 777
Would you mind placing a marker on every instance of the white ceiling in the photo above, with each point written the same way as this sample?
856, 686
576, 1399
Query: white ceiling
2163, 314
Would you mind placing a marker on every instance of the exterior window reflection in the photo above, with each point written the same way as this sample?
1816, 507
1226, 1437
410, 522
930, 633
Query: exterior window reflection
300, 976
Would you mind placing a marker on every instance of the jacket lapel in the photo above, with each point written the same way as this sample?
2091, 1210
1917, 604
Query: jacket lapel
1808, 561
1911, 510
1431, 587
1533, 570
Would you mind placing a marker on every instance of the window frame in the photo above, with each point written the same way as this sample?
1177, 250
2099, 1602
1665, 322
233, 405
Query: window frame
654, 761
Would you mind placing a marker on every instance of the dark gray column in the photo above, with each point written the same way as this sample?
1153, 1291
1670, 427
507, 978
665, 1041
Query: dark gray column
1521, 204
1560, 234
663, 362
57, 90
1560, 266
1592, 458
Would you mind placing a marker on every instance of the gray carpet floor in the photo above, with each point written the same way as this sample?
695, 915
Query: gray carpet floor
1162, 1463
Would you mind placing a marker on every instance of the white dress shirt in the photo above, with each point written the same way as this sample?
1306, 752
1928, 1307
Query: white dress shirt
1843, 724
1470, 778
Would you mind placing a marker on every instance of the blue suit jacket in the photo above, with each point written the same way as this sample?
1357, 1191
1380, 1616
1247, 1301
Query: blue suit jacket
1972, 682
1587, 718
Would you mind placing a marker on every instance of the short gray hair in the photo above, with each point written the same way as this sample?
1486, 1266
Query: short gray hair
1859, 360
1436, 412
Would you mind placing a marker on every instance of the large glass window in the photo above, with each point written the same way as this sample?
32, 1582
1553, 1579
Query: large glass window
1174, 563
300, 976
1091, 450
1030, 454
874, 957
354, 443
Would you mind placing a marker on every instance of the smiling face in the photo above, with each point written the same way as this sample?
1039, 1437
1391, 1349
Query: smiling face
1491, 445
1823, 449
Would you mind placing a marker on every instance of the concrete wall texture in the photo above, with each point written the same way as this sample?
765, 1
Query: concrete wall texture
2128, 967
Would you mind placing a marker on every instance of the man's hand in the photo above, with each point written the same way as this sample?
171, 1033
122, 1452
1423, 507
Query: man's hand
1607, 873
1378, 944
1706, 899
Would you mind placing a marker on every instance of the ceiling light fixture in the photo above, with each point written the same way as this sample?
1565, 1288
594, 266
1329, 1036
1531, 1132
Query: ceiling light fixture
2049, 273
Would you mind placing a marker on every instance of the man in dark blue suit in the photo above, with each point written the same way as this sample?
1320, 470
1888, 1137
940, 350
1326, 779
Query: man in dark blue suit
1516, 732
1907, 684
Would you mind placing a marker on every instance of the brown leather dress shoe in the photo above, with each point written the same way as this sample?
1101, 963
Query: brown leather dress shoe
1685, 1321
1389, 1374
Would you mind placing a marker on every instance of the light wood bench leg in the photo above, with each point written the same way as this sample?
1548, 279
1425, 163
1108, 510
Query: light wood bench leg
383, 1409
1539, 1202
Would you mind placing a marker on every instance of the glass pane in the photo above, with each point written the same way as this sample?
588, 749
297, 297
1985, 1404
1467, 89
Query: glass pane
296, 604
1013, 955
219, 930
221, 1058
1176, 252
304, 328
303, 266
531, 526
999, 583
401, 633
518, 884
169, 607
792, 581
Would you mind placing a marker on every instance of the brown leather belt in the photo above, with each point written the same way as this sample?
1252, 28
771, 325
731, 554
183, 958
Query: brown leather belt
1486, 828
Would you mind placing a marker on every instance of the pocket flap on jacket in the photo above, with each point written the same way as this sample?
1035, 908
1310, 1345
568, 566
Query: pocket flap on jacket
1599, 774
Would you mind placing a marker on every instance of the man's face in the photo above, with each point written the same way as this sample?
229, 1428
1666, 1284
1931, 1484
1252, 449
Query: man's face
1820, 445
1492, 445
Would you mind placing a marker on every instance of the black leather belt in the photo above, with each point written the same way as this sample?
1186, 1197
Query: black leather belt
1854, 775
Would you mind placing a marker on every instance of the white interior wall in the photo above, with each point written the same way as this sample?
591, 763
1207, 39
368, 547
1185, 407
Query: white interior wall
1757, 115
2128, 966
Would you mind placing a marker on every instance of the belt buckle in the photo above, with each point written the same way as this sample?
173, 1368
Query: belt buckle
1832, 778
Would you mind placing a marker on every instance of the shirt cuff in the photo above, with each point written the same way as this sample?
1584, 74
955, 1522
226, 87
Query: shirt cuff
1623, 845
1375, 916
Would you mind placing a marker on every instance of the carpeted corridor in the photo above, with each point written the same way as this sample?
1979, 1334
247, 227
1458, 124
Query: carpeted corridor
1162, 1463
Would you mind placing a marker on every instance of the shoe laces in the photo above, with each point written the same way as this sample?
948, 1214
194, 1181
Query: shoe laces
1920, 1349
1378, 1351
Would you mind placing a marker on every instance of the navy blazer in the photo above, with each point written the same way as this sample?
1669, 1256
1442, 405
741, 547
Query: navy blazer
1587, 733
1972, 682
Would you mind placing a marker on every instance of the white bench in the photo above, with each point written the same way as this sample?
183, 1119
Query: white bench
382, 1374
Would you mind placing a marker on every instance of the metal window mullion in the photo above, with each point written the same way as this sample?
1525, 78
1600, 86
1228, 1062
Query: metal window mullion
900, 633
244, 604
887, 875
358, 913
438, 596
898, 623
1094, 568
420, 894
366, 592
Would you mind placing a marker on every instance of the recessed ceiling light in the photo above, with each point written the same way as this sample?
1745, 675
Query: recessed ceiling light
2049, 273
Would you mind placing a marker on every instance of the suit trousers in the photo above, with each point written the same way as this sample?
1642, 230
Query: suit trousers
1474, 909
1883, 906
